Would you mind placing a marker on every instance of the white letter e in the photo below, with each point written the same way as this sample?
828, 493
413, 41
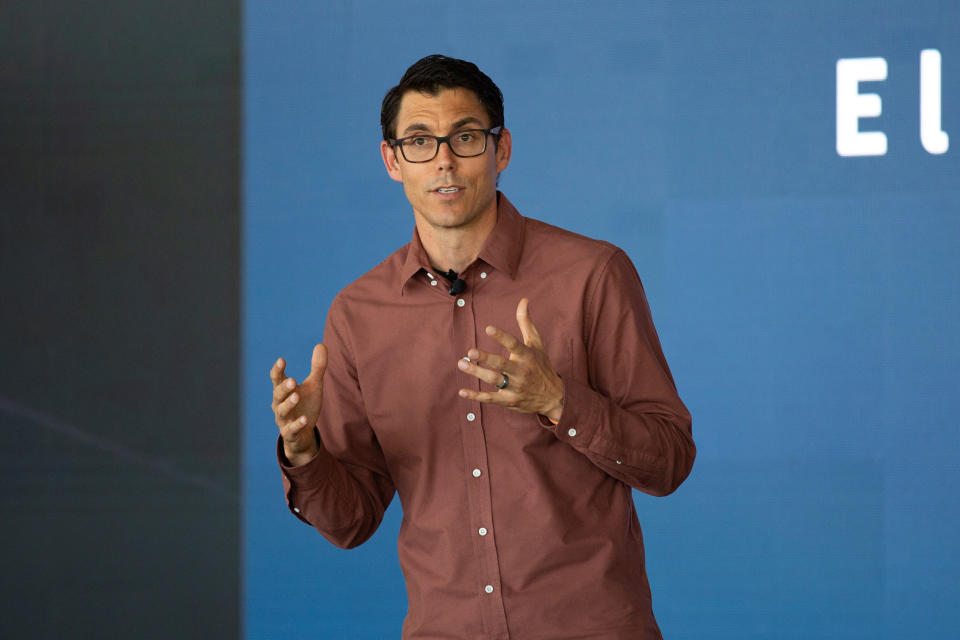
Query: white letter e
853, 105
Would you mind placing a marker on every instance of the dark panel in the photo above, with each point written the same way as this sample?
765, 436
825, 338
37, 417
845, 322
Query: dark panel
119, 240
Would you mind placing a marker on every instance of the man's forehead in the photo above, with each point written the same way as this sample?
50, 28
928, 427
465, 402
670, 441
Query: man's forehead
443, 108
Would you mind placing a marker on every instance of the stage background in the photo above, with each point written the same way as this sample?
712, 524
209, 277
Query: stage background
119, 309
807, 302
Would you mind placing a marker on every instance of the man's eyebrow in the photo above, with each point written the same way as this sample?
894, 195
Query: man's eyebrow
419, 126
468, 120
416, 126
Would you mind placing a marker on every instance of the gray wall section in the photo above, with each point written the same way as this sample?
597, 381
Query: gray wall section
119, 254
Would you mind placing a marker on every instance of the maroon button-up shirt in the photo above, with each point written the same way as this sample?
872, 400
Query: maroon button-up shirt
512, 527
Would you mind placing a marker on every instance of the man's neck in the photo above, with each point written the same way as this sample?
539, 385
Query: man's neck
454, 247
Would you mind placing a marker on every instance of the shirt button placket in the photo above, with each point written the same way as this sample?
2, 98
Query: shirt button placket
481, 509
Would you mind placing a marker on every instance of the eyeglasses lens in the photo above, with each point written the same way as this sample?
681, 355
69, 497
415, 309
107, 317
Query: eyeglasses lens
465, 144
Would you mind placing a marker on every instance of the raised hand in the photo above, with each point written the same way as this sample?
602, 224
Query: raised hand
297, 407
525, 381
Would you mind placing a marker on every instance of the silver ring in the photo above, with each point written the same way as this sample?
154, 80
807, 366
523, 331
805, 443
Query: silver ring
506, 381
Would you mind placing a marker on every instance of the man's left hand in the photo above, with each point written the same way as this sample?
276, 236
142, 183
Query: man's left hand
532, 386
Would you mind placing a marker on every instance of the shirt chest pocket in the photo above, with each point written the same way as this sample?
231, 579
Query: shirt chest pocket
563, 361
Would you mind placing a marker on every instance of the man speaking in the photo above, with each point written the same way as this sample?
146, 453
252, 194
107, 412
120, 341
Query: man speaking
504, 378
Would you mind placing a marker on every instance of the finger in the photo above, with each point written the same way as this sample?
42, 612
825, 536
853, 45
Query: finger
276, 371
531, 337
318, 363
490, 360
513, 345
489, 376
281, 391
502, 398
293, 427
284, 408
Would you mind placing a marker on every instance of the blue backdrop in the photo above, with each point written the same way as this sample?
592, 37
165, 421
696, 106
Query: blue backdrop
807, 301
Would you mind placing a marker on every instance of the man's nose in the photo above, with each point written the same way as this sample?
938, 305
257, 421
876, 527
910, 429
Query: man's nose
446, 160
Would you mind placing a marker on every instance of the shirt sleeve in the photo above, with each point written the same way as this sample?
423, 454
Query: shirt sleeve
345, 489
627, 418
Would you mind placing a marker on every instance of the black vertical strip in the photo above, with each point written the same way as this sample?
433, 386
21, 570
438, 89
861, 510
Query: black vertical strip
119, 319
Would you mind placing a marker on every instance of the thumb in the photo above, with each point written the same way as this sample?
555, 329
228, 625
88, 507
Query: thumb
531, 337
318, 363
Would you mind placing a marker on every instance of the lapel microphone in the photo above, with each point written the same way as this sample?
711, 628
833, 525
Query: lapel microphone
456, 284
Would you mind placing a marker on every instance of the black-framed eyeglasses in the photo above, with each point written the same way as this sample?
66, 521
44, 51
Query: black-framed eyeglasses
465, 143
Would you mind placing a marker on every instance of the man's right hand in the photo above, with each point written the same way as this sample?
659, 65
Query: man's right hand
297, 408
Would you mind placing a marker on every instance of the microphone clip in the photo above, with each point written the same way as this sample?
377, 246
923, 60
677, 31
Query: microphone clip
457, 285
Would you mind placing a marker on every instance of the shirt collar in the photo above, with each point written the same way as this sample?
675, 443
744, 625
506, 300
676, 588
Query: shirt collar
415, 261
501, 250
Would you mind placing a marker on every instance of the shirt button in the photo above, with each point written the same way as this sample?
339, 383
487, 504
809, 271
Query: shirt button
482, 531
471, 417
433, 283
460, 302
296, 509
477, 473
483, 274
571, 432
619, 461
488, 588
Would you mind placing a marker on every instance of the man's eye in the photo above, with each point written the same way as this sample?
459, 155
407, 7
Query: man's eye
418, 142
466, 136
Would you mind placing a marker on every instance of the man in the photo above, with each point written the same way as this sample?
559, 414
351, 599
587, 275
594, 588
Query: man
513, 452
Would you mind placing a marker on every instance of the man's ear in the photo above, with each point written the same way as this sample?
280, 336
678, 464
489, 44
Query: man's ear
390, 160
504, 149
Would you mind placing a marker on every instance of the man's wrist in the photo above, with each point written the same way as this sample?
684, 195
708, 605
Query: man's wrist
303, 456
554, 414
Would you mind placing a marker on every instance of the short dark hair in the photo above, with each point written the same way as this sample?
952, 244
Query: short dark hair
435, 72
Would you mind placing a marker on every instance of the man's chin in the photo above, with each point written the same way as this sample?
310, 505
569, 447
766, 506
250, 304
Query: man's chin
451, 222
458, 214
449, 217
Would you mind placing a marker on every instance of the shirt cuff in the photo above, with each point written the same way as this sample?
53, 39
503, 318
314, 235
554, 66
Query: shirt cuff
578, 422
300, 481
